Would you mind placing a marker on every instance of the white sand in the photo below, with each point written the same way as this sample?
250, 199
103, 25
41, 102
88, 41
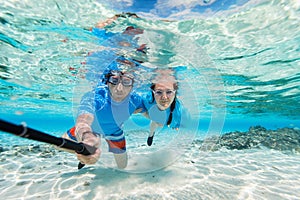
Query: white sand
243, 174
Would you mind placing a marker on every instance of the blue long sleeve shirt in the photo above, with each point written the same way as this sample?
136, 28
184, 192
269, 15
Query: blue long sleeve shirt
109, 115
180, 114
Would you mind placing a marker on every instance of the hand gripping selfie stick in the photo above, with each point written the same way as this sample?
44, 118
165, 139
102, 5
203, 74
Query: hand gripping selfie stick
26, 132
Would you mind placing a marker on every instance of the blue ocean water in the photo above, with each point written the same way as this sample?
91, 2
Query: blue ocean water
242, 59
237, 66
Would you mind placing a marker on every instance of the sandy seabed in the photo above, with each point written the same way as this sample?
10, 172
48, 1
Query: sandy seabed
42, 172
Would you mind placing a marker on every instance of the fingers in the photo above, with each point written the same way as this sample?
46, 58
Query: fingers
91, 159
92, 140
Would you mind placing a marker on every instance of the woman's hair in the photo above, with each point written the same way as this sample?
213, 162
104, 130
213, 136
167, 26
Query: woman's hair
173, 104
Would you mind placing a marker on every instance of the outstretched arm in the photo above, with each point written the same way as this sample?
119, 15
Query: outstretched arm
84, 134
112, 19
106, 22
83, 125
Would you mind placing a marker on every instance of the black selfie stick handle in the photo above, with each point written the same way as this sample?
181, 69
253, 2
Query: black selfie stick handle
29, 133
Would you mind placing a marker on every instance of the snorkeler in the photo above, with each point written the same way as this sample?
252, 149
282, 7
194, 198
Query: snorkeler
103, 111
114, 18
124, 39
163, 106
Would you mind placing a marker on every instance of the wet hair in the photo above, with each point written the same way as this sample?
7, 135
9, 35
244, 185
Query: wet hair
106, 77
173, 104
115, 67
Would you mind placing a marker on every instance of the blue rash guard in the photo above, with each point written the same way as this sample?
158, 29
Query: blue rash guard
180, 116
102, 34
109, 114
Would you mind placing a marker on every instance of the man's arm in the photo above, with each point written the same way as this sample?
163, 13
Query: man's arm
85, 134
83, 125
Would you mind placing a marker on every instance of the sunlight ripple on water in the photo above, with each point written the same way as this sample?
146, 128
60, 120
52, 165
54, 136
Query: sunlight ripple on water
44, 44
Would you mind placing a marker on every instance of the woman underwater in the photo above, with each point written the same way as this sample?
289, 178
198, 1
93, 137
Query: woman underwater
163, 106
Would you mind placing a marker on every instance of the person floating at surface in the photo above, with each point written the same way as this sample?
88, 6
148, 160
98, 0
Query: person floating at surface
163, 106
103, 111
125, 39
114, 18
114, 44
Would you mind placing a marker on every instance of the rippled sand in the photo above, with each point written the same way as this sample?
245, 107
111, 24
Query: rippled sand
223, 174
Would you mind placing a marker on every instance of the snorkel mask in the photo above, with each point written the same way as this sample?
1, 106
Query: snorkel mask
115, 77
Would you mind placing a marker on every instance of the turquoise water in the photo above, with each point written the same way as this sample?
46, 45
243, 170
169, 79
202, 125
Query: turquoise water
242, 59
